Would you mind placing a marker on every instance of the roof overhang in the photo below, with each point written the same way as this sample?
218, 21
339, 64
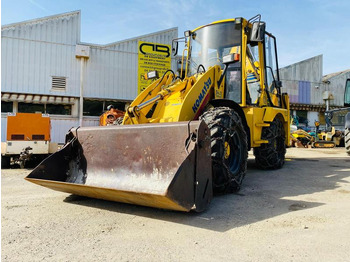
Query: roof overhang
37, 99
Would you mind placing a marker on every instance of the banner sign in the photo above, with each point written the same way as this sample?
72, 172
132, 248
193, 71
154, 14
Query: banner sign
152, 56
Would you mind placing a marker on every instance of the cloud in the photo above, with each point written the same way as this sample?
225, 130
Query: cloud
38, 5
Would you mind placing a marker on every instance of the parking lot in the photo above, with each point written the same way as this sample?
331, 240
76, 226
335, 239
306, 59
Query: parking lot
298, 213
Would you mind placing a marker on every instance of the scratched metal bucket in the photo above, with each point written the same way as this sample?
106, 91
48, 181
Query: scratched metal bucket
165, 165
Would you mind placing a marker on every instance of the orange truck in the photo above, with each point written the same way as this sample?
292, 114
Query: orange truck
27, 139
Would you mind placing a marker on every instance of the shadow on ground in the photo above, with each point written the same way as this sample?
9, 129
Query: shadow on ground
261, 197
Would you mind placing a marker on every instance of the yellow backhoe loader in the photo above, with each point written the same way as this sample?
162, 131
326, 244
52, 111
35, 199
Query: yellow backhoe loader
185, 136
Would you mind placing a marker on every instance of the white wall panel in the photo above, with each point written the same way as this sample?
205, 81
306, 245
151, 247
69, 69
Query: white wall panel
307, 70
61, 125
3, 127
312, 117
336, 84
91, 121
112, 69
310, 70
27, 67
34, 51
29, 63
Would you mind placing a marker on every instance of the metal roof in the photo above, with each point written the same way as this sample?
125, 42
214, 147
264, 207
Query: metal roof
41, 19
329, 76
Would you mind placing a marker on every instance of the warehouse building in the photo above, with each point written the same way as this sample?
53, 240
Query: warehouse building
46, 68
309, 90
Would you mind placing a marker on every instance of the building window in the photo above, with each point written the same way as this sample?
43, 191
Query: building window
51, 109
58, 109
30, 108
6, 107
59, 82
302, 117
97, 107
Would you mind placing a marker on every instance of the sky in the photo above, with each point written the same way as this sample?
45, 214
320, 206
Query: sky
303, 28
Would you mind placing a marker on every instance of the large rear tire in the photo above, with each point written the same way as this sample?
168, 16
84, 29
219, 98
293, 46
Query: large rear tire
229, 149
347, 140
272, 154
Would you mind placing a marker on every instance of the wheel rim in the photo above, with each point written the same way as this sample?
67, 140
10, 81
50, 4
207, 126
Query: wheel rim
227, 150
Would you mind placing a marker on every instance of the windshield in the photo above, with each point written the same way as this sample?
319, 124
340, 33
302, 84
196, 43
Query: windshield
209, 44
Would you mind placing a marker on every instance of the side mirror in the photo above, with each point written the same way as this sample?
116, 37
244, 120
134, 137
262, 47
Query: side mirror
277, 84
258, 32
187, 33
174, 47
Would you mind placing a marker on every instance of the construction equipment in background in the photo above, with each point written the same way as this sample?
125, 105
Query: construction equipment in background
185, 136
339, 137
112, 116
329, 137
27, 139
330, 133
301, 138
347, 134
347, 117
323, 139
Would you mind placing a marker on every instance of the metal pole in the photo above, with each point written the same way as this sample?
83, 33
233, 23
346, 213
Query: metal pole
81, 91
327, 104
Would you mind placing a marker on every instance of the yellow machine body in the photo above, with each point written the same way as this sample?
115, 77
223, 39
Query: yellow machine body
162, 154
185, 99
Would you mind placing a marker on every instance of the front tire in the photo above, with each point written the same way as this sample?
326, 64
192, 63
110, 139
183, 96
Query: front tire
272, 154
229, 149
347, 140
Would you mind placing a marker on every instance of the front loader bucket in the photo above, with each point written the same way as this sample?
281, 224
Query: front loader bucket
158, 165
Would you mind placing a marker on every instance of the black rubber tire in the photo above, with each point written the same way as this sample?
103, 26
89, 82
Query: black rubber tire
272, 154
229, 164
347, 140
5, 162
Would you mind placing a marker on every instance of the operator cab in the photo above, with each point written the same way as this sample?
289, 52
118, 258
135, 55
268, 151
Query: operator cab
209, 44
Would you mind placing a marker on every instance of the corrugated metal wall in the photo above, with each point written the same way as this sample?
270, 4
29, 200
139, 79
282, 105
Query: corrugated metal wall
304, 83
36, 50
61, 125
336, 84
27, 67
117, 63
111, 74
307, 70
304, 92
